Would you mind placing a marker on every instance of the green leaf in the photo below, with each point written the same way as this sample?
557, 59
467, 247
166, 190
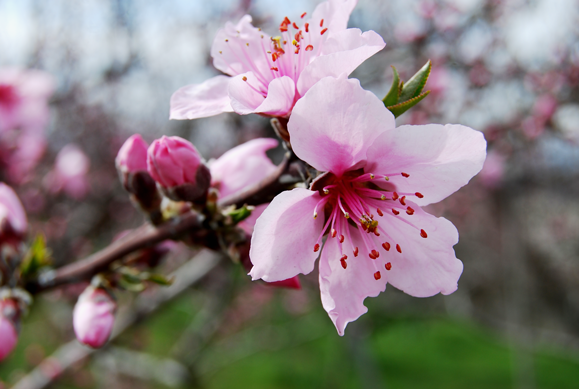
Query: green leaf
130, 284
392, 96
399, 109
160, 279
413, 87
38, 256
240, 214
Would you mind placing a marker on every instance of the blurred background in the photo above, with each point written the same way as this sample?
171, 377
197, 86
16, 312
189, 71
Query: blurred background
507, 68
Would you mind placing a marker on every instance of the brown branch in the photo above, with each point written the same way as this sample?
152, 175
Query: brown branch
142, 237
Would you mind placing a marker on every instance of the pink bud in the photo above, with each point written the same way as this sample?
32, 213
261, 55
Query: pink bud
69, 174
8, 333
13, 223
132, 156
177, 167
93, 317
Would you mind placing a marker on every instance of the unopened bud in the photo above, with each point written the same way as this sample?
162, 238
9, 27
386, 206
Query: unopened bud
178, 169
13, 223
93, 317
9, 314
131, 165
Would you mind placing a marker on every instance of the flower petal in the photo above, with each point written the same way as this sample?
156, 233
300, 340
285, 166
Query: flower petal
335, 14
246, 93
282, 244
238, 49
242, 166
344, 290
341, 54
425, 266
201, 100
280, 98
333, 125
439, 159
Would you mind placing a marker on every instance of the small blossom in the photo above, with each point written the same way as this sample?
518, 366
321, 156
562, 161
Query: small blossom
70, 172
269, 74
8, 333
13, 223
132, 156
178, 168
93, 317
369, 200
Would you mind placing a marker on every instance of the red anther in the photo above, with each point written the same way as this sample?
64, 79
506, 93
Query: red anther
322, 23
295, 26
298, 36
388, 266
343, 262
316, 248
377, 275
419, 195
244, 78
405, 175
379, 211
386, 246
306, 27
394, 196
423, 234
395, 212
334, 232
341, 238
402, 200
410, 211
344, 256
304, 14
283, 28
309, 48
274, 56
376, 233
371, 256
274, 68
398, 248
286, 21
297, 50
323, 31
356, 252
375, 253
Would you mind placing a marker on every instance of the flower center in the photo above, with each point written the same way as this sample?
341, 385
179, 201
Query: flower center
364, 201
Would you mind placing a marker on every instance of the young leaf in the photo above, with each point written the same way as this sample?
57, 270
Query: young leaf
38, 256
392, 96
240, 213
413, 87
160, 279
399, 109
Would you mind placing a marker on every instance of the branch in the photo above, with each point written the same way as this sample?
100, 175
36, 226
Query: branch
73, 352
142, 237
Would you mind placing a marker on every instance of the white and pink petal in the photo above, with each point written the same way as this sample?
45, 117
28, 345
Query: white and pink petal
201, 100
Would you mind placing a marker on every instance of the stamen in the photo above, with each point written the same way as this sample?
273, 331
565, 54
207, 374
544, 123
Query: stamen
388, 266
410, 211
306, 26
423, 234
375, 253
322, 23
295, 26
398, 248
395, 212
402, 200
386, 178
316, 248
379, 211
377, 276
309, 48
323, 31
405, 175
334, 232
419, 195
394, 196
304, 14
244, 78
274, 68
356, 251
371, 256
342, 238
386, 246
343, 262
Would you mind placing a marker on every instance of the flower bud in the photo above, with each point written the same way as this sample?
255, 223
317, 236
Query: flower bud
131, 164
13, 223
93, 317
178, 169
8, 334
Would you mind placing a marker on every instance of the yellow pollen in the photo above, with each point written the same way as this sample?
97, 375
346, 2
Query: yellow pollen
386, 178
382, 197
247, 44
371, 176
294, 42
315, 214
347, 215
326, 191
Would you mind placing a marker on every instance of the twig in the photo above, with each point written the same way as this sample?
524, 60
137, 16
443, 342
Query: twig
73, 352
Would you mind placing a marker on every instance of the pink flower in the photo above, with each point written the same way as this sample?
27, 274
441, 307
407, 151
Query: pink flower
8, 333
132, 156
178, 168
370, 199
13, 223
23, 115
93, 317
269, 74
238, 169
242, 166
70, 172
